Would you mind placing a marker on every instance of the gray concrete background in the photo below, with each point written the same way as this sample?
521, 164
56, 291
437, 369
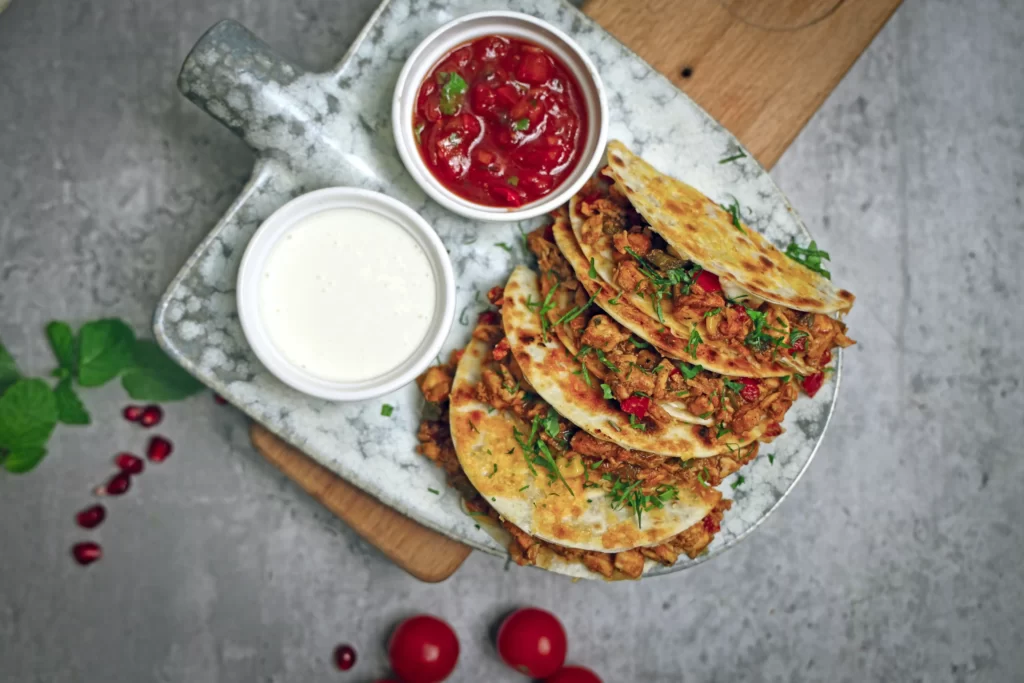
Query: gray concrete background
897, 558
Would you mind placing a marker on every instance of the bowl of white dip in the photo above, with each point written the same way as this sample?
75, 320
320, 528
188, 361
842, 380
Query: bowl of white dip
345, 294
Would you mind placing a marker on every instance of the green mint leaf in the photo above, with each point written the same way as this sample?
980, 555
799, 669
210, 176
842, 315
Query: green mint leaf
23, 460
28, 414
607, 391
104, 350
62, 341
8, 370
522, 124
386, 410
70, 410
153, 376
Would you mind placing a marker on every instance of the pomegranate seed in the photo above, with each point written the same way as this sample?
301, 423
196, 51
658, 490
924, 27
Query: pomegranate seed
118, 485
159, 449
87, 552
344, 657
91, 517
132, 413
151, 416
219, 400
126, 462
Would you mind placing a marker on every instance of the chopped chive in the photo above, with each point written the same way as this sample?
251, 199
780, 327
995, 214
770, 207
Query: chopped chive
386, 410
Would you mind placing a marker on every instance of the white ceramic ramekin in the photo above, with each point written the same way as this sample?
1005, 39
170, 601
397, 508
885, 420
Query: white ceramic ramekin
277, 226
516, 25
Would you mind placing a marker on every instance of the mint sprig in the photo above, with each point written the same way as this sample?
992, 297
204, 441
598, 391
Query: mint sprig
102, 350
153, 376
8, 370
28, 414
62, 342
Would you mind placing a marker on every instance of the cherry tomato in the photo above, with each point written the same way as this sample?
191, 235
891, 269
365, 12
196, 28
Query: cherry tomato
573, 674
798, 346
532, 641
826, 357
708, 281
774, 429
423, 649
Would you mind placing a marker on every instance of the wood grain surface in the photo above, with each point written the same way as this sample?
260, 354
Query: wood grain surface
761, 67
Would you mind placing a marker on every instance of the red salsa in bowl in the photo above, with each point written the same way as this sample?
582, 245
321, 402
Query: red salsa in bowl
500, 121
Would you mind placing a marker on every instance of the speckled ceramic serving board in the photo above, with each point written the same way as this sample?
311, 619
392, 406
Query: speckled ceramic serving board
319, 130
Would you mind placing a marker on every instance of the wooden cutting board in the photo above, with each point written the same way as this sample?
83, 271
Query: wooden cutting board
761, 67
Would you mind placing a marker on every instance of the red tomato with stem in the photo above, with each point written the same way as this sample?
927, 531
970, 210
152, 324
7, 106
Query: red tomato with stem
423, 649
532, 641
573, 674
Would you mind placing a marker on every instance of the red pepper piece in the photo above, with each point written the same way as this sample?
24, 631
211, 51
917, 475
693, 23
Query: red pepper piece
636, 406
812, 383
774, 429
708, 281
798, 346
751, 389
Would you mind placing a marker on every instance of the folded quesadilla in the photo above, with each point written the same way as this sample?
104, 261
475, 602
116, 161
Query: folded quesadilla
743, 307
606, 337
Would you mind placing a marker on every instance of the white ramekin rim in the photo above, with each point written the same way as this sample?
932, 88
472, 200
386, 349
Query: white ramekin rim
430, 51
277, 226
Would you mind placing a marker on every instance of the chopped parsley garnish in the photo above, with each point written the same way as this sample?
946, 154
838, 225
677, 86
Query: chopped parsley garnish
632, 495
585, 373
640, 344
522, 489
702, 477
689, 371
434, 491
739, 482
604, 360
575, 311
636, 424
593, 270
809, 257
757, 338
522, 124
734, 211
542, 309
550, 424
607, 391
794, 337
706, 415
510, 451
614, 426
597, 464
734, 386
513, 180
473, 427
694, 342
505, 246
662, 284
386, 410
494, 471
535, 451
452, 91
615, 301
722, 431
739, 155
771, 458
713, 311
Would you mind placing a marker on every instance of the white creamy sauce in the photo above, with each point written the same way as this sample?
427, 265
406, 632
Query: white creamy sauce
347, 295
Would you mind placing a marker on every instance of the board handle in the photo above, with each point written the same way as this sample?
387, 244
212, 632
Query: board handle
240, 81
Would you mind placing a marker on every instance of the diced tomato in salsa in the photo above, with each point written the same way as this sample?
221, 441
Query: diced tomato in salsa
500, 121
751, 390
